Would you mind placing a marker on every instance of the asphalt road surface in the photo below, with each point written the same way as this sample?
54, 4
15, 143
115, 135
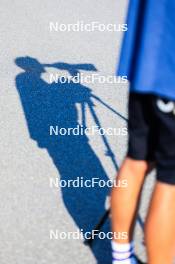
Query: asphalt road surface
32, 158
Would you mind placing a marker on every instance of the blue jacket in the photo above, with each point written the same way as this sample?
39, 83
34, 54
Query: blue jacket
148, 50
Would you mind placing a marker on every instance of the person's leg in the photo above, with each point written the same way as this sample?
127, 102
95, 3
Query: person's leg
160, 225
124, 201
124, 207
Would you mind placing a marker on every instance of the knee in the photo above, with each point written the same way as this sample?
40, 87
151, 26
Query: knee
135, 166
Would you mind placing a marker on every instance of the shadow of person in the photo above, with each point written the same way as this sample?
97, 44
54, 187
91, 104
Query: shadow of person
54, 105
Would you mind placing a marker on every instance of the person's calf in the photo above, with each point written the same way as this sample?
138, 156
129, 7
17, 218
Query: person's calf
160, 227
124, 201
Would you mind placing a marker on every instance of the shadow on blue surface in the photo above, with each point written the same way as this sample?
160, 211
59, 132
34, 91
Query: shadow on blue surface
46, 105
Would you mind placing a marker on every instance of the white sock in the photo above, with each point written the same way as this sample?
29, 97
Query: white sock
123, 253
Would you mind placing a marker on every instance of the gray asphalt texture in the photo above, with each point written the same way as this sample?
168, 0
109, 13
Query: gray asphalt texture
30, 208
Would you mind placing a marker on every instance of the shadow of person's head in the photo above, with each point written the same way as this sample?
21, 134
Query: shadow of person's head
29, 64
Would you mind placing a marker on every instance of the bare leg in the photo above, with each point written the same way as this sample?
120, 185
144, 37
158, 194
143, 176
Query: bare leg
160, 225
124, 201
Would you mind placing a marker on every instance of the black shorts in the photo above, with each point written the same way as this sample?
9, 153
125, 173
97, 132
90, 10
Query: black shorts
151, 129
